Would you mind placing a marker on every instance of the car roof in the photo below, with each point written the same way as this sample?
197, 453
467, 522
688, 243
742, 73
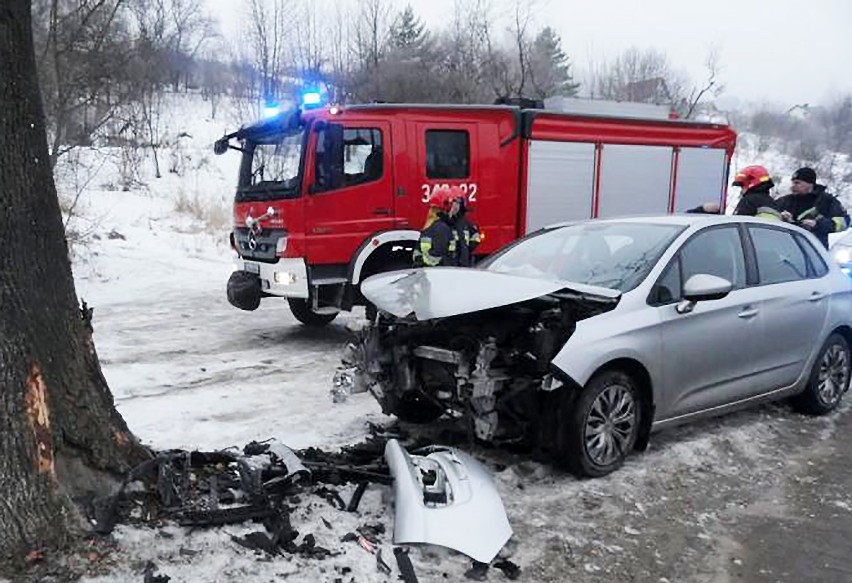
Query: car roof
686, 220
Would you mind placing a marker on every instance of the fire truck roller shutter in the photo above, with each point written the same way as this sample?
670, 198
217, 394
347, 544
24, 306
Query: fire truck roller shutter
700, 177
560, 182
634, 180
376, 242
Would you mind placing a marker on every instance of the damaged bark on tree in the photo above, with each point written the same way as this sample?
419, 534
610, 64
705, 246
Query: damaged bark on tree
61, 438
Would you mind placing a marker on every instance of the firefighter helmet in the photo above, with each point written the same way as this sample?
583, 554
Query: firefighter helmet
444, 198
752, 176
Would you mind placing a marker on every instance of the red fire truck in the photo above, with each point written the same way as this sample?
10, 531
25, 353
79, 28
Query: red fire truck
329, 196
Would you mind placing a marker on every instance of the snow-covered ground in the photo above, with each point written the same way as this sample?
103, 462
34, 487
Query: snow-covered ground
189, 371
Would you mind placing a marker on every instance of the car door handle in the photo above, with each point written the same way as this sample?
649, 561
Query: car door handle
747, 313
816, 296
382, 212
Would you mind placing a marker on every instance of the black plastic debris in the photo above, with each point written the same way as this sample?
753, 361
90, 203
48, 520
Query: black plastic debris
356, 497
477, 572
381, 565
403, 562
150, 574
257, 541
510, 569
331, 495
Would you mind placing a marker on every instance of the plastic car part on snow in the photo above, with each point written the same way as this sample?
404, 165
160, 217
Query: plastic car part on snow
446, 498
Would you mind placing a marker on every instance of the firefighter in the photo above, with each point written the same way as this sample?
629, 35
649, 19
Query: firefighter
439, 238
468, 234
811, 207
755, 200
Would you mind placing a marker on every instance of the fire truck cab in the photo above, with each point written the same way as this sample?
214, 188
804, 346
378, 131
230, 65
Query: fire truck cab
329, 196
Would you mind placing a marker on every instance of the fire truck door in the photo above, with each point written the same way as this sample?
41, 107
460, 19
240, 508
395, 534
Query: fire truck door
351, 189
447, 154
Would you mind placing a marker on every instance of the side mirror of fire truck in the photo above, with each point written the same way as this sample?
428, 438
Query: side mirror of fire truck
220, 146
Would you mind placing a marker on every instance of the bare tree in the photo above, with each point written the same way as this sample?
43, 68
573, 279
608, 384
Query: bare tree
640, 76
269, 27
467, 54
711, 86
83, 47
62, 437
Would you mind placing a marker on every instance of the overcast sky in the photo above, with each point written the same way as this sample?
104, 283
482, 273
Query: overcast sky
784, 51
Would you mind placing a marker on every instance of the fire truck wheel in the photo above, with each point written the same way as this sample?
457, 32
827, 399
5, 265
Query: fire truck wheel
306, 316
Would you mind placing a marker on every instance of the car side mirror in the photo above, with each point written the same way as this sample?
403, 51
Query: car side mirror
703, 287
220, 146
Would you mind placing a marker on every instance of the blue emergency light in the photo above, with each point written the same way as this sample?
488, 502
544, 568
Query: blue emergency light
270, 109
311, 98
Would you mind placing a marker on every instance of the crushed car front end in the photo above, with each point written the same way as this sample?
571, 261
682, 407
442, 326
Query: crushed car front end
469, 343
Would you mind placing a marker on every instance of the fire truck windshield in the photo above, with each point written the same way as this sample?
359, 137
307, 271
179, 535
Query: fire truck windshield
270, 168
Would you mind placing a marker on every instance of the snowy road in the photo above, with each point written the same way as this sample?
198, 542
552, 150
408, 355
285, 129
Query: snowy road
189, 371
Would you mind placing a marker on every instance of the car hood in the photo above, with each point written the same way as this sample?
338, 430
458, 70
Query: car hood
439, 292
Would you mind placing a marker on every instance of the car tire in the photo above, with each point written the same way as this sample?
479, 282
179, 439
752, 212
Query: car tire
829, 378
303, 313
598, 427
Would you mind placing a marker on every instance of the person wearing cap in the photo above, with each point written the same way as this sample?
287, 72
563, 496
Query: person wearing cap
755, 200
811, 207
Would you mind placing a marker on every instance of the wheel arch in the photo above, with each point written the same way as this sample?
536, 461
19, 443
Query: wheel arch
373, 246
846, 332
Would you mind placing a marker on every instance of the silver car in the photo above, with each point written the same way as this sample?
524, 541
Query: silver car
583, 339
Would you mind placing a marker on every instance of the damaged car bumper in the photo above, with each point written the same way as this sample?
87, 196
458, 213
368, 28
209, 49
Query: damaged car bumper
446, 498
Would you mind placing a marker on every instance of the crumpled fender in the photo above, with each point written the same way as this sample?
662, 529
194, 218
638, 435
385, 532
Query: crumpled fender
446, 498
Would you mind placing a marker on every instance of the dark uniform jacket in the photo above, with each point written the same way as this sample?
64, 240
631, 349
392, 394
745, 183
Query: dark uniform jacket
438, 244
819, 205
468, 240
758, 203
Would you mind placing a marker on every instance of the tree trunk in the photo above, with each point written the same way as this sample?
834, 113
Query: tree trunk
60, 435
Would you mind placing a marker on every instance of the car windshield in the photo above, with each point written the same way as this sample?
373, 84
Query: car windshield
612, 255
274, 170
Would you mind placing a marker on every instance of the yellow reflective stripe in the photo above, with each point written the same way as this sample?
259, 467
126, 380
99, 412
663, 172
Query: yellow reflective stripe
805, 214
429, 260
767, 212
839, 223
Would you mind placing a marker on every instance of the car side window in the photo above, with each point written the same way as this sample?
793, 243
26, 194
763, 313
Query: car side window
779, 258
816, 263
717, 251
668, 287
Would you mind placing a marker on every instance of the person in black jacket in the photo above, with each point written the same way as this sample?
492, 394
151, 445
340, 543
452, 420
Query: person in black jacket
811, 207
755, 200
469, 235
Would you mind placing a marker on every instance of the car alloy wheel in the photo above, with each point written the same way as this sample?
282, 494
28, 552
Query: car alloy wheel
834, 370
610, 425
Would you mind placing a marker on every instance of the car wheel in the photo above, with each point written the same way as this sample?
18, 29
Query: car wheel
599, 426
303, 313
829, 378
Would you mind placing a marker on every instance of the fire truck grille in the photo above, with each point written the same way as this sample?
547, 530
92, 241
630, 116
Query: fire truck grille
258, 246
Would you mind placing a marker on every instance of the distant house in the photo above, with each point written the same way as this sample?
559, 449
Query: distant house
652, 90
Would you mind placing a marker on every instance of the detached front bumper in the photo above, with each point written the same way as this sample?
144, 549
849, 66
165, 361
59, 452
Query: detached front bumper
286, 278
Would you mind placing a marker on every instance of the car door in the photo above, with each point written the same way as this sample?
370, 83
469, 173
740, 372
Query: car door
794, 302
351, 193
707, 353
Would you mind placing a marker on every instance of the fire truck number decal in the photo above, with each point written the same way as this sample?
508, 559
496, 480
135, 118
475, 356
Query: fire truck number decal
468, 188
